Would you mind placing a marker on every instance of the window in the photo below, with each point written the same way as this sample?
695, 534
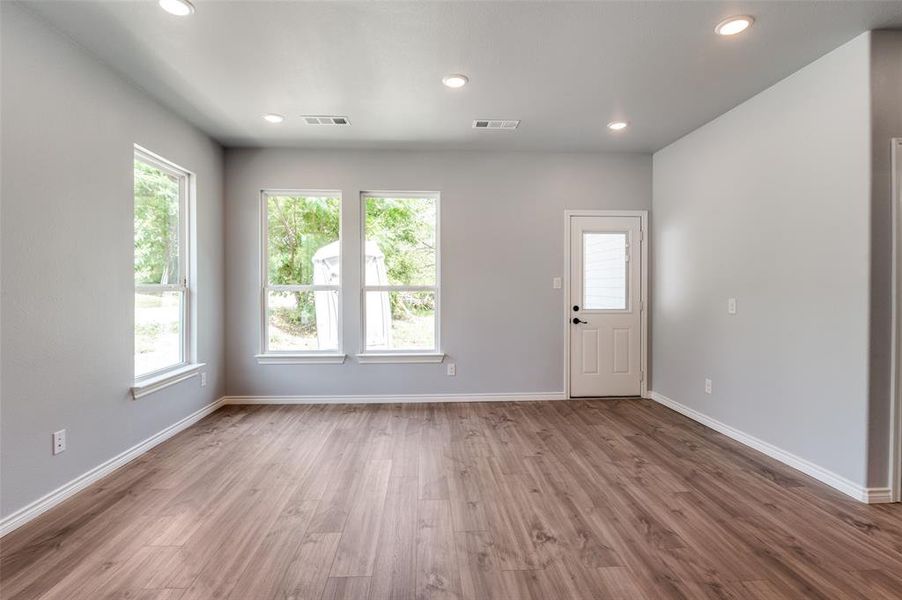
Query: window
401, 273
162, 329
301, 274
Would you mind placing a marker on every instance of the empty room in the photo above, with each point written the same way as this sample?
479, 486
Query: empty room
464, 300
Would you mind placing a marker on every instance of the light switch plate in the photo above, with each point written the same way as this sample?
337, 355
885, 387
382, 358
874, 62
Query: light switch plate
731, 306
556, 283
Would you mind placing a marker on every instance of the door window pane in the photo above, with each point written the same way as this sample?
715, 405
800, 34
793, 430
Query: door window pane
604, 271
302, 320
158, 330
400, 320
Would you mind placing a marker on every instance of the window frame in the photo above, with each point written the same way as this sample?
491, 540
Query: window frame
412, 355
267, 355
187, 366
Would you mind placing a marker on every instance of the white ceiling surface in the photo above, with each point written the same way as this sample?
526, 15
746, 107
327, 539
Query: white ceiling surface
564, 69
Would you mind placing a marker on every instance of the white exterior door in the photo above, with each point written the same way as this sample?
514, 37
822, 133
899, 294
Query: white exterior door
605, 306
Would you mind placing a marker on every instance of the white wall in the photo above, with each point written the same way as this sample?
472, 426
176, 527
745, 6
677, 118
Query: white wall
67, 278
770, 204
502, 243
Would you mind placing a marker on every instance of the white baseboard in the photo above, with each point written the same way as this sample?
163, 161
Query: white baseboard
882, 495
850, 488
45, 503
394, 398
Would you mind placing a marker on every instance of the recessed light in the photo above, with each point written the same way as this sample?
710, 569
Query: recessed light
455, 80
273, 118
617, 125
179, 8
734, 25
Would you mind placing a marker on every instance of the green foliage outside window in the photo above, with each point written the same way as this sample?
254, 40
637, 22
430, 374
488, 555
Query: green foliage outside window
156, 225
298, 226
404, 229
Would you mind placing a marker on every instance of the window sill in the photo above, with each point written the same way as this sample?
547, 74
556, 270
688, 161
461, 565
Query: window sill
301, 359
164, 380
393, 357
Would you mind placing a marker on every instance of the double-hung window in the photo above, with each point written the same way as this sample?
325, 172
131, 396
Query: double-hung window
400, 272
301, 272
162, 324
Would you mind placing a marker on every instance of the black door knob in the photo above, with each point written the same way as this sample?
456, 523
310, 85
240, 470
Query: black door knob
576, 321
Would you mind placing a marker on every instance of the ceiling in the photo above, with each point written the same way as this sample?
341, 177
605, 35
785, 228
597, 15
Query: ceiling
564, 69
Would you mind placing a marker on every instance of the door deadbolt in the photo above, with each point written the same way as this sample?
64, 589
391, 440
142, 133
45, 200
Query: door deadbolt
575, 308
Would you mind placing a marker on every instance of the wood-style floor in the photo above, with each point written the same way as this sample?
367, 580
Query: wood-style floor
531, 501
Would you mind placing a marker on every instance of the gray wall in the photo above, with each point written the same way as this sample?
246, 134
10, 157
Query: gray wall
886, 123
769, 204
502, 243
67, 281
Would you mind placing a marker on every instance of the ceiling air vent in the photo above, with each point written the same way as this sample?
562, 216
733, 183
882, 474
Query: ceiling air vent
325, 120
495, 124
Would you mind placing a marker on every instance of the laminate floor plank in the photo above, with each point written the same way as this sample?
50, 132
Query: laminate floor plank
568, 500
360, 533
481, 575
266, 571
438, 577
394, 572
346, 588
307, 574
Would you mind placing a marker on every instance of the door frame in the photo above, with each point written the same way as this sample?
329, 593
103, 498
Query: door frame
643, 289
895, 466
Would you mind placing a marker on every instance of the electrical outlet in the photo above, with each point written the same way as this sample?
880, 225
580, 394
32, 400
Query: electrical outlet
203, 379
707, 386
556, 283
731, 306
59, 441
452, 369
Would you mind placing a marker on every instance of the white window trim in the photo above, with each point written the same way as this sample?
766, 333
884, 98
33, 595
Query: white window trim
401, 355
149, 385
155, 380
295, 357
